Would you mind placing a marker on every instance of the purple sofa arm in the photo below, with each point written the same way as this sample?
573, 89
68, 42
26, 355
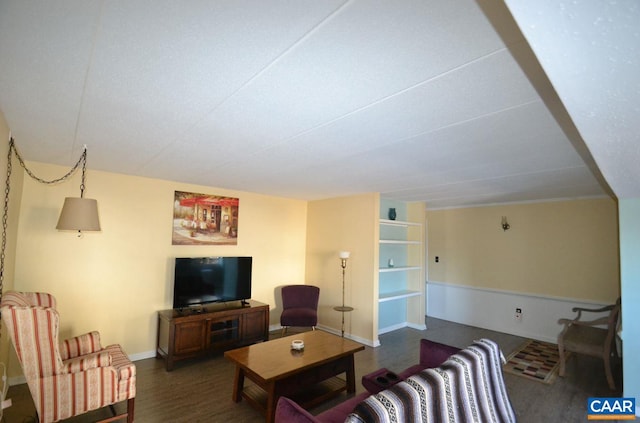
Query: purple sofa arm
288, 411
432, 354
340, 412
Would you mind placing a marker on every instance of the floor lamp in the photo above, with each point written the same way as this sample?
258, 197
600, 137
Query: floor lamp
344, 255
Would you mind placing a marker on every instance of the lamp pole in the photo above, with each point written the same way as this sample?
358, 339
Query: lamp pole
344, 255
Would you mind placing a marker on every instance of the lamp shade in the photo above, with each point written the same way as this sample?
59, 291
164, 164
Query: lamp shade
79, 214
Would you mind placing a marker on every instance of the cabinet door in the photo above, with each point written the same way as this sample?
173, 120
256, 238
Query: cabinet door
224, 332
190, 337
254, 326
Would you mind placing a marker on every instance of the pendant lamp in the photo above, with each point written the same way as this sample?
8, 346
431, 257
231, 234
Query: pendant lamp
79, 214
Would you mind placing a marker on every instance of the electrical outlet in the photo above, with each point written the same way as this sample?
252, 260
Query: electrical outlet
518, 315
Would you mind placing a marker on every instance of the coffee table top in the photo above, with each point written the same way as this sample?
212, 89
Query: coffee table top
275, 359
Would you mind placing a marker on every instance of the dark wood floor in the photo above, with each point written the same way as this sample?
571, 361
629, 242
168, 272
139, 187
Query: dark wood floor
200, 390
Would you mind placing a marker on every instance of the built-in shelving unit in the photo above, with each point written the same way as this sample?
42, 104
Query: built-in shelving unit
402, 223
398, 295
401, 285
398, 269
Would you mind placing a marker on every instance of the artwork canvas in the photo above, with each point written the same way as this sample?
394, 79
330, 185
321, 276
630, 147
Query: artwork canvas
203, 219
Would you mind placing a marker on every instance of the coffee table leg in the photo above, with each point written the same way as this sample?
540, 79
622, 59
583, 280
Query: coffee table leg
272, 399
351, 375
238, 385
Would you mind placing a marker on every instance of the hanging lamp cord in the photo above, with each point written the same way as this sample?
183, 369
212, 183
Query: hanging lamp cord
7, 189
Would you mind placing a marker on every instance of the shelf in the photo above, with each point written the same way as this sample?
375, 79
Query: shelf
223, 331
398, 295
399, 242
398, 223
401, 287
398, 269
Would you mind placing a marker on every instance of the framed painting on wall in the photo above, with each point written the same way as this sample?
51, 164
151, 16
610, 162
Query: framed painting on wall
203, 219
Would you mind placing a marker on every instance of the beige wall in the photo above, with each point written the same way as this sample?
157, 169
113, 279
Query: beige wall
345, 224
114, 281
560, 249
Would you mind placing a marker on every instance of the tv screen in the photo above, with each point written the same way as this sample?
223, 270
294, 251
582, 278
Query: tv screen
203, 280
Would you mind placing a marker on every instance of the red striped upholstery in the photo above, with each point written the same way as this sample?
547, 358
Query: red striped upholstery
69, 378
80, 345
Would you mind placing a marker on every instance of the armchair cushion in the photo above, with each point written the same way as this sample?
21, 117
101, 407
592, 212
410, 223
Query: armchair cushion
80, 345
86, 362
299, 317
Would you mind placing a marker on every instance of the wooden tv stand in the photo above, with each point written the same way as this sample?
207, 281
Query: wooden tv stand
191, 333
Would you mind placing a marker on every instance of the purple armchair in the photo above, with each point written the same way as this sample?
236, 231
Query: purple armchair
299, 306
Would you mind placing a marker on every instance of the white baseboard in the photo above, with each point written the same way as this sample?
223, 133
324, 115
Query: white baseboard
400, 326
417, 327
17, 380
350, 336
495, 309
392, 328
274, 327
142, 355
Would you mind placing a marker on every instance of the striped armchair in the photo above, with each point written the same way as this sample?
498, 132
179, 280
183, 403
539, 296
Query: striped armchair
71, 377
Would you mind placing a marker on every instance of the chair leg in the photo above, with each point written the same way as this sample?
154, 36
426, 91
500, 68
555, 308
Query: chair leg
562, 359
607, 371
130, 409
117, 417
313, 328
284, 330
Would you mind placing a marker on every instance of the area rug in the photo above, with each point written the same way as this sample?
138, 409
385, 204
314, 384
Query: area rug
535, 360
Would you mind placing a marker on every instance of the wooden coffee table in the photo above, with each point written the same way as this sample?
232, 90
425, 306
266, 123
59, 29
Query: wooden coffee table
308, 376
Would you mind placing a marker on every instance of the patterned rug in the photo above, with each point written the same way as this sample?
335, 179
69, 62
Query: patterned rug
535, 360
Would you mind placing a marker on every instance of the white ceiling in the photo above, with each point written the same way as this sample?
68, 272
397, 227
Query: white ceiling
435, 101
591, 52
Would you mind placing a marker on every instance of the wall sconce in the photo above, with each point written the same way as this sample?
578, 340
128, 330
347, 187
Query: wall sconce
505, 224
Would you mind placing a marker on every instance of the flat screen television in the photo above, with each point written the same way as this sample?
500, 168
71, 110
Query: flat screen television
203, 280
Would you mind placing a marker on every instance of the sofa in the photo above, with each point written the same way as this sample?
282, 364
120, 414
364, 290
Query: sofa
432, 354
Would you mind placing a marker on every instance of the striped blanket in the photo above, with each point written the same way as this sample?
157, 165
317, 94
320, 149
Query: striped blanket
468, 387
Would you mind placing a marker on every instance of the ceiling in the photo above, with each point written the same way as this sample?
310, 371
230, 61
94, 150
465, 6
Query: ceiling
435, 101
